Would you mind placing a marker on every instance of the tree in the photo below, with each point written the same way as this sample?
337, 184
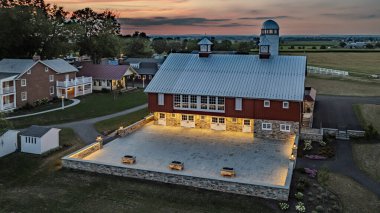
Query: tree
4, 124
342, 44
377, 45
173, 46
137, 47
159, 45
369, 46
244, 47
322, 47
225, 45
192, 45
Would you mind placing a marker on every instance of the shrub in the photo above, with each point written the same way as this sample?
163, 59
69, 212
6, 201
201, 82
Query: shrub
323, 176
319, 208
299, 195
283, 206
300, 207
311, 199
370, 132
300, 186
322, 143
27, 106
310, 193
307, 145
335, 207
326, 151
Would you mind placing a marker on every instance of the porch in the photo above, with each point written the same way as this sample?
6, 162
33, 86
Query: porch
74, 87
8, 94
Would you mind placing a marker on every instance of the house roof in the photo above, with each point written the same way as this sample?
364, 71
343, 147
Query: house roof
147, 68
36, 131
7, 75
205, 41
140, 60
19, 66
104, 71
245, 76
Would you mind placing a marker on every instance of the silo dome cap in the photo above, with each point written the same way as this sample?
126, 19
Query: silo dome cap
270, 25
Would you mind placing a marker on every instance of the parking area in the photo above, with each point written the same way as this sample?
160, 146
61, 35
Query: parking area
203, 152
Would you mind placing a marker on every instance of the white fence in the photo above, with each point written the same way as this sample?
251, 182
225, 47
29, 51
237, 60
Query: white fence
325, 71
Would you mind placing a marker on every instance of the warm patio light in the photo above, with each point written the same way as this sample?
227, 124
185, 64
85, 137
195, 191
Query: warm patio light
292, 157
294, 146
99, 139
121, 128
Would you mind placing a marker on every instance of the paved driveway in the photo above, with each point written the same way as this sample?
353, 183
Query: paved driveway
336, 111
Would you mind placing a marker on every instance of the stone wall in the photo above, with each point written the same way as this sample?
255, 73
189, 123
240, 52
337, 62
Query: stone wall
86, 151
311, 134
269, 191
275, 133
133, 127
351, 133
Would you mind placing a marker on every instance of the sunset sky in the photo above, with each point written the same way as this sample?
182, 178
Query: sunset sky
239, 16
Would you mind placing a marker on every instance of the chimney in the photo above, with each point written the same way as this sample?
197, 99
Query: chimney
36, 58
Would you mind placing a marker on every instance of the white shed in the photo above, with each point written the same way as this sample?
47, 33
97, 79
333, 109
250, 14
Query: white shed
39, 139
8, 142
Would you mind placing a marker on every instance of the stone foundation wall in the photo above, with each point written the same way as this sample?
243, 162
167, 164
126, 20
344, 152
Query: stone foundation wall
135, 126
275, 133
202, 123
270, 192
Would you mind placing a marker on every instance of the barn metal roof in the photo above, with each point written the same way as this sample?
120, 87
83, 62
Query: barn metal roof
245, 76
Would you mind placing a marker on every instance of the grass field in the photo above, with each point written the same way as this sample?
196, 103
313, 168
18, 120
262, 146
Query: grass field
353, 196
30, 183
48, 106
124, 120
94, 105
363, 62
344, 87
367, 155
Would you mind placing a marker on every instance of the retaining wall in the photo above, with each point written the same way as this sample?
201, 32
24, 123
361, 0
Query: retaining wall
264, 191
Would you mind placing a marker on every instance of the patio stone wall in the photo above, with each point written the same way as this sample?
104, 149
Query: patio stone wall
86, 151
270, 192
275, 133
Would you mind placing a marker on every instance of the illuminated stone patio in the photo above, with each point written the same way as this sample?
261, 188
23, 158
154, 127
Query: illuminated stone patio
204, 153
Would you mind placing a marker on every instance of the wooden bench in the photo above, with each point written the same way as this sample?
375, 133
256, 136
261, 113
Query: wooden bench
176, 165
128, 159
227, 172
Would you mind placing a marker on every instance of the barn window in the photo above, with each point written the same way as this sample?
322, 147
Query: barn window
266, 126
285, 105
161, 99
266, 103
238, 104
177, 101
285, 128
193, 101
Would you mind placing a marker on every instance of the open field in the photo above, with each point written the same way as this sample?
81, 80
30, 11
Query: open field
94, 105
369, 114
367, 154
363, 62
124, 120
30, 184
343, 86
353, 196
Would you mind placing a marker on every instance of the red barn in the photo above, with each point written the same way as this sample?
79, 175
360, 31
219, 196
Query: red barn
260, 94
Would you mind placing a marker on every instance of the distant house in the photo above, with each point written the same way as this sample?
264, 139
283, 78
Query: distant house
38, 139
8, 142
356, 45
146, 69
25, 81
104, 76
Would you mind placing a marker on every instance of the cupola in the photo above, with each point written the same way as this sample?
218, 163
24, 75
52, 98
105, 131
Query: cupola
205, 47
269, 39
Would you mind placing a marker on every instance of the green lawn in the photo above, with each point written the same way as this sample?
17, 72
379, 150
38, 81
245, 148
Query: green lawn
353, 196
94, 105
30, 183
367, 154
124, 120
343, 86
48, 106
358, 62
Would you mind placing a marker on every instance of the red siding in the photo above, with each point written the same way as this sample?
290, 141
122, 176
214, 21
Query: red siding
251, 109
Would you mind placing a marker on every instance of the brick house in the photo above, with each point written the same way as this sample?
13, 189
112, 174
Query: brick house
26, 81
258, 94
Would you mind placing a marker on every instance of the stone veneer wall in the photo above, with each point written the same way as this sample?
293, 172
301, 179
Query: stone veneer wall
270, 192
203, 123
86, 151
275, 133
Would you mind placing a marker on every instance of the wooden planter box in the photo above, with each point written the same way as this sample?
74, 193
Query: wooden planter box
128, 159
176, 165
227, 172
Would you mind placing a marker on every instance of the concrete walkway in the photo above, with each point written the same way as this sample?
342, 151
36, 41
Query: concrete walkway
75, 102
85, 128
343, 163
